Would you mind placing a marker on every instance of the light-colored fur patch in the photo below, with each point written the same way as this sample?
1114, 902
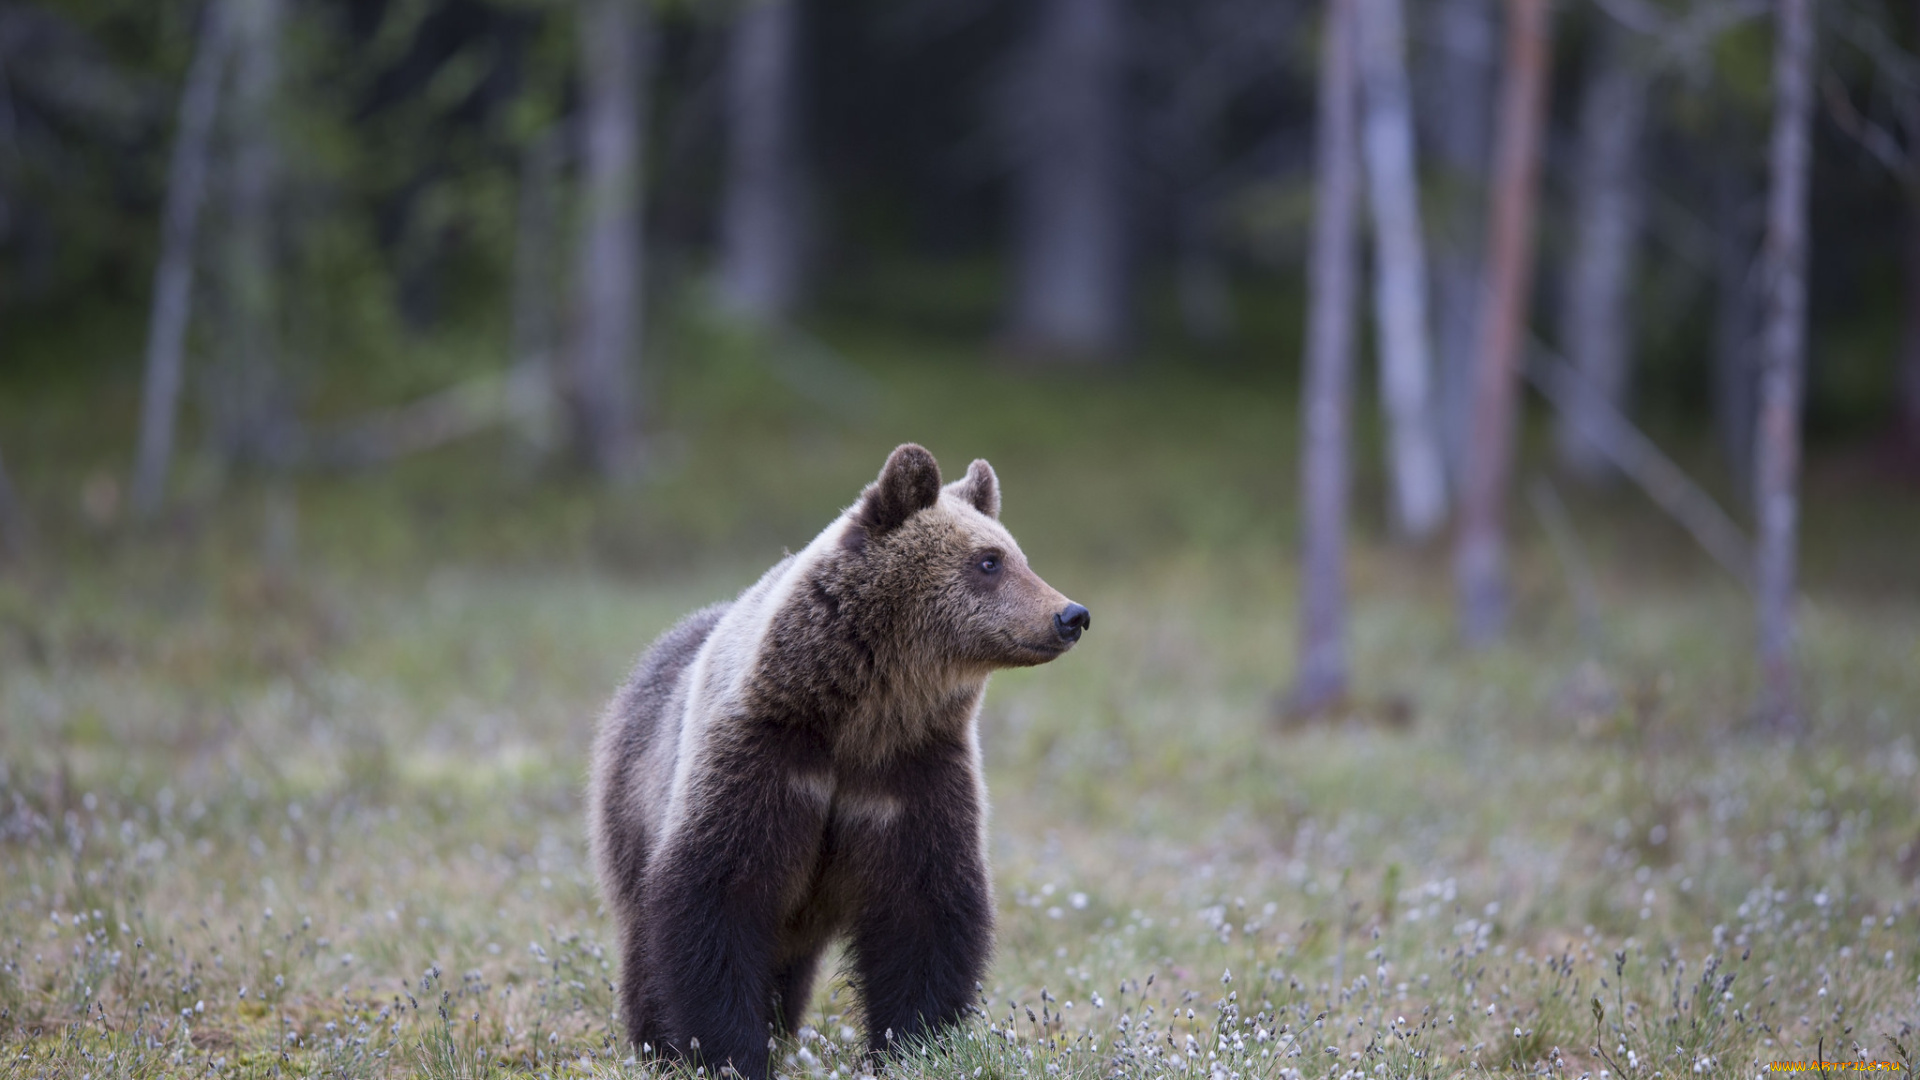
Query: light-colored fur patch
979, 770
873, 811
718, 675
817, 786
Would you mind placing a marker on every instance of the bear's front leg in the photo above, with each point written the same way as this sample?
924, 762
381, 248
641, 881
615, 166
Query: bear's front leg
924, 929
718, 889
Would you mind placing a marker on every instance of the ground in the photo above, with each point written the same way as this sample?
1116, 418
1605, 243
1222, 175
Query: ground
290, 780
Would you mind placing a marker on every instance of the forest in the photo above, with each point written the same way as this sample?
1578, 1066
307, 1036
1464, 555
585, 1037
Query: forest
1486, 432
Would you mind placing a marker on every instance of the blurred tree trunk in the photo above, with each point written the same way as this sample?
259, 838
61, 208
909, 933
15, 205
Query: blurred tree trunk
1783, 356
536, 269
1419, 501
760, 226
536, 230
1326, 406
1910, 346
1069, 282
252, 420
1909, 419
173, 276
1598, 325
1457, 113
614, 44
1736, 315
1480, 556
13, 517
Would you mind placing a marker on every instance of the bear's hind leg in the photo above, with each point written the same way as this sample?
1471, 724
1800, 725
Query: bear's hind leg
635, 1007
793, 988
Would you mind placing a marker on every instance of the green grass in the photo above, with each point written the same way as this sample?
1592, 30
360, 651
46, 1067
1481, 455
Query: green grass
290, 783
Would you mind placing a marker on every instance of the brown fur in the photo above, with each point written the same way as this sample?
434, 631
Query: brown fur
803, 764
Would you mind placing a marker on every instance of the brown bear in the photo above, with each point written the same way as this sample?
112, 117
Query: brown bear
803, 764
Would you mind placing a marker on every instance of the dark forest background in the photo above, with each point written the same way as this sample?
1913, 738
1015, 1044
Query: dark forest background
405, 134
253, 243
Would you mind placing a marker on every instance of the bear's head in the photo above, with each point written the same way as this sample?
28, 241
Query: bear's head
936, 567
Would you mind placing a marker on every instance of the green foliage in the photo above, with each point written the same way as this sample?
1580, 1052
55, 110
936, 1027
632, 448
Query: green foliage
1743, 62
402, 129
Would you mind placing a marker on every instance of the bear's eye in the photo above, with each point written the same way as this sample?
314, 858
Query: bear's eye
989, 564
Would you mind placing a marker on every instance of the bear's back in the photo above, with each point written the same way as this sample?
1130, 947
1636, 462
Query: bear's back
633, 755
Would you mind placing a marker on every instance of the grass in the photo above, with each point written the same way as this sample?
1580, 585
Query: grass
290, 783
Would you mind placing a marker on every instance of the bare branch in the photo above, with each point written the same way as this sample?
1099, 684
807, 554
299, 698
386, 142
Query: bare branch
520, 395
1681, 41
1894, 62
1706, 23
1636, 15
1664, 482
1875, 139
1897, 72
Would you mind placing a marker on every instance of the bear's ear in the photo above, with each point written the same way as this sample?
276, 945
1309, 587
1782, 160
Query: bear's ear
979, 488
908, 484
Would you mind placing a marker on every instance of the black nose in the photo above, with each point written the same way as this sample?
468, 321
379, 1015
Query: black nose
1072, 622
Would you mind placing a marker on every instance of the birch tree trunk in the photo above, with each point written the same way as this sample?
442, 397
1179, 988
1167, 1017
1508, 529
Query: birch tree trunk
1597, 327
1909, 390
1321, 678
1069, 282
614, 43
760, 226
253, 422
173, 276
1480, 554
1783, 356
1419, 503
1456, 111
1910, 346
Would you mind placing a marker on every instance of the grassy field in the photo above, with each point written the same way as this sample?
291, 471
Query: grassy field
290, 782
